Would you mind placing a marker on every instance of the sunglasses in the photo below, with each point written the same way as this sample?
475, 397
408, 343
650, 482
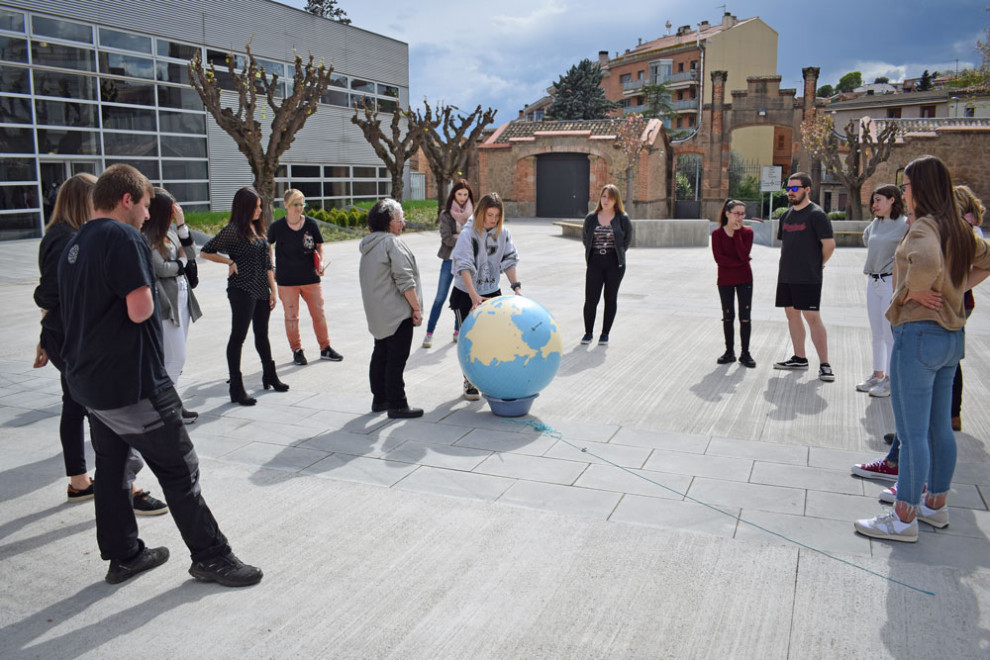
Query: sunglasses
792, 188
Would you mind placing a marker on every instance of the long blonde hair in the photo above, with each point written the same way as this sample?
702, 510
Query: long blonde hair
489, 201
74, 204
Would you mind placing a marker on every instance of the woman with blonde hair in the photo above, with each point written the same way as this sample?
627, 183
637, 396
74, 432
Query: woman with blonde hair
607, 235
938, 260
484, 250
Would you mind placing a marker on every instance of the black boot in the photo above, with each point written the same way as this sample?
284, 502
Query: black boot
270, 379
237, 393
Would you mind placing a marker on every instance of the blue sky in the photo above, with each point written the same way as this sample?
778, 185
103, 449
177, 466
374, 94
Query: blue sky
505, 53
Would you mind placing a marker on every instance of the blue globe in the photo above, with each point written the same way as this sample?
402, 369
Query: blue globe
510, 347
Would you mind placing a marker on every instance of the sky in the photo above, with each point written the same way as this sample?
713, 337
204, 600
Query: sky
505, 53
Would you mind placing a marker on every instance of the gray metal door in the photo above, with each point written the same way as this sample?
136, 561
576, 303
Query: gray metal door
562, 185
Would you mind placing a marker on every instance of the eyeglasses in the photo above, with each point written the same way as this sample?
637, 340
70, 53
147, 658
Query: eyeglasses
793, 188
297, 204
741, 214
903, 187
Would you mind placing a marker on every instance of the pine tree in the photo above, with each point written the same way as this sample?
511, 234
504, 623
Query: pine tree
328, 9
926, 83
578, 94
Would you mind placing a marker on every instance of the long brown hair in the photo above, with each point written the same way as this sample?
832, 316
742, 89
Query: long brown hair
613, 193
723, 215
74, 204
461, 184
932, 195
159, 220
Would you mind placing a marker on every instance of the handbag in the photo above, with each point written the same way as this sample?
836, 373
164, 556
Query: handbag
192, 273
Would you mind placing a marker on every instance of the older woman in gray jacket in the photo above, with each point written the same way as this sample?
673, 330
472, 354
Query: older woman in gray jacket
393, 302
174, 257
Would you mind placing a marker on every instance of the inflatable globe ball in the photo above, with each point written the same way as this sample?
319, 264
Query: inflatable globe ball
510, 348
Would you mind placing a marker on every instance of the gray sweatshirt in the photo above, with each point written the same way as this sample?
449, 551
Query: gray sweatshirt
881, 238
486, 257
387, 269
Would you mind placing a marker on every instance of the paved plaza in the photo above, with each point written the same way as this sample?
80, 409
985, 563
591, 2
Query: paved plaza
653, 505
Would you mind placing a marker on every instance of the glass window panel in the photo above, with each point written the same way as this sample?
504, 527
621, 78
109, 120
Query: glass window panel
13, 50
184, 98
365, 172
183, 147
336, 171
383, 173
384, 188
332, 97
17, 169
15, 80
54, 141
185, 169
358, 101
195, 208
181, 122
307, 188
178, 51
17, 141
272, 67
149, 168
305, 170
57, 113
388, 90
128, 119
11, 20
387, 106
133, 66
126, 91
189, 192
19, 197
124, 41
51, 27
363, 86
19, 225
130, 144
337, 188
338, 80
172, 72
365, 189
65, 85
62, 57
14, 110
220, 60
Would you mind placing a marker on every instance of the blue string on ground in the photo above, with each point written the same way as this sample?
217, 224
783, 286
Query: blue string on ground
553, 433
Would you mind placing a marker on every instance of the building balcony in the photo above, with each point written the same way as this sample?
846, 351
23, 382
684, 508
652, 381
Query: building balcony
929, 124
632, 85
683, 79
634, 109
685, 105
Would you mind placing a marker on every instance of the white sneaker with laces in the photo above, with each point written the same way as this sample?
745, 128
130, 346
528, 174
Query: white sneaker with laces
868, 384
935, 517
428, 340
881, 389
889, 527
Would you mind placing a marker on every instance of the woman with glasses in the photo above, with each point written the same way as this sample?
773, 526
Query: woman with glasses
881, 238
298, 266
241, 246
607, 234
938, 260
731, 244
484, 251
459, 207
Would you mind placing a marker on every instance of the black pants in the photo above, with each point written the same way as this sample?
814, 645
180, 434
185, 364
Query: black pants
153, 427
246, 311
728, 292
603, 272
388, 361
70, 426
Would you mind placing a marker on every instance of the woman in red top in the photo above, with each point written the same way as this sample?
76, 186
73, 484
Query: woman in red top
731, 244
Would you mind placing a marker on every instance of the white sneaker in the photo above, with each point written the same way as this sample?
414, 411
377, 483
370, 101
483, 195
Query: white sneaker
881, 389
935, 517
470, 391
428, 340
889, 527
869, 384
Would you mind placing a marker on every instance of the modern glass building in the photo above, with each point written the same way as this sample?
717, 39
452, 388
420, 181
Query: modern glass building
88, 83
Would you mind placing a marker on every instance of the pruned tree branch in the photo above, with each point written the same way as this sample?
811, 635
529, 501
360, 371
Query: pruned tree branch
394, 149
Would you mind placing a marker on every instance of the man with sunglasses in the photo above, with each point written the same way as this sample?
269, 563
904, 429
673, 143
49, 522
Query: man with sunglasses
806, 243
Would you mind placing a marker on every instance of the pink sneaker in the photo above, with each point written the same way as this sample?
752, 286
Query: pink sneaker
878, 469
889, 495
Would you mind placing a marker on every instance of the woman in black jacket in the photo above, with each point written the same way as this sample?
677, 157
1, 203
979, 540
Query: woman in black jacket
607, 235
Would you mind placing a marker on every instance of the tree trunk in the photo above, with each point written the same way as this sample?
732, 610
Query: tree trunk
441, 192
398, 187
854, 208
629, 196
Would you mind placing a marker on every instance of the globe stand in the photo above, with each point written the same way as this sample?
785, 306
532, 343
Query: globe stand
510, 407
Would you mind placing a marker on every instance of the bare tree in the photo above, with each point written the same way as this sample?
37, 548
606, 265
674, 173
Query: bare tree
448, 139
631, 141
866, 148
256, 96
393, 150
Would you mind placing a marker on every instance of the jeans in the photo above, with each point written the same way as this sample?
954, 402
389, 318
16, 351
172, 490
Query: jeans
727, 293
154, 427
922, 366
443, 288
312, 295
246, 311
603, 272
388, 361
878, 295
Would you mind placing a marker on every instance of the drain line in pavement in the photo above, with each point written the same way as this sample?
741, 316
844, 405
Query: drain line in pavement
553, 433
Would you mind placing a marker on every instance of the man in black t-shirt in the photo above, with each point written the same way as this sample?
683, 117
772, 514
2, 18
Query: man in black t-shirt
114, 365
806, 243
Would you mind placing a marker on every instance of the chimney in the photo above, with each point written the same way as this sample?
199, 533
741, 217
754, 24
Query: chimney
704, 25
603, 58
521, 115
728, 20
639, 41
684, 29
